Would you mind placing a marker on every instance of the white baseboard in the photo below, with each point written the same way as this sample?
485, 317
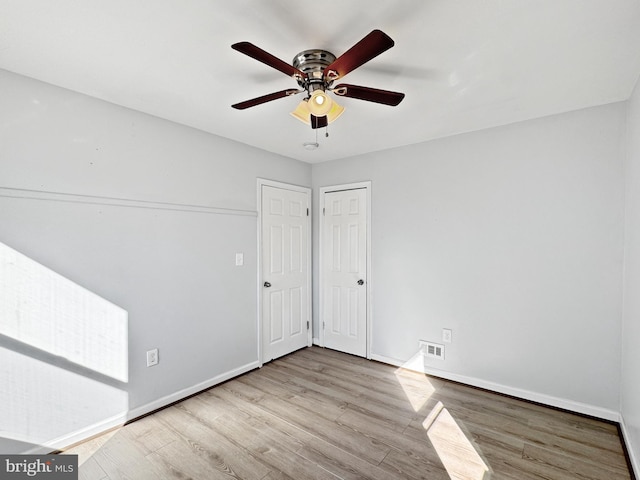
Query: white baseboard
39, 451
571, 405
626, 438
65, 441
316, 341
91, 431
184, 393
69, 439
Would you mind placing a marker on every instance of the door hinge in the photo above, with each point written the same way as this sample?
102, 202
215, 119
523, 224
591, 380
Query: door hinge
323, 325
323, 210
307, 324
307, 212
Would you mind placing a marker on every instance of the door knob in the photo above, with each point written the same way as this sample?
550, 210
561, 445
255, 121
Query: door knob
360, 282
267, 284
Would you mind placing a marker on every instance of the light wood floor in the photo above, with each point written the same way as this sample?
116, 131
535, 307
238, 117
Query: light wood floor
320, 414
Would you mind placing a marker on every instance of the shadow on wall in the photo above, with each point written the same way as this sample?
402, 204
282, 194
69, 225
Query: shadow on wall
63, 358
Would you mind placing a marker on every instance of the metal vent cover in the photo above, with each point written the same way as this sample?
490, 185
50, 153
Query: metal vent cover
432, 350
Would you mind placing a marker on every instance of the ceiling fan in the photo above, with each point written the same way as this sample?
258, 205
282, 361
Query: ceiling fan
315, 71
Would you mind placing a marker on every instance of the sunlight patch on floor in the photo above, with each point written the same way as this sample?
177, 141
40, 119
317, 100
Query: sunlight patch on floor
417, 387
86, 450
458, 455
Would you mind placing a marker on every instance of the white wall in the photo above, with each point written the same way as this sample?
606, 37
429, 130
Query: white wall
146, 214
513, 238
631, 311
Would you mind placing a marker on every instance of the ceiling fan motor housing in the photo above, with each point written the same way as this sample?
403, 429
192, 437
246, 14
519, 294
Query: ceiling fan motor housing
312, 63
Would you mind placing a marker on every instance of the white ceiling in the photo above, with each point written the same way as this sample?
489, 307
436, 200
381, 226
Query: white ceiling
464, 65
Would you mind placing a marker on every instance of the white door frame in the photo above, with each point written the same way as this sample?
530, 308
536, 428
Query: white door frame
296, 188
335, 188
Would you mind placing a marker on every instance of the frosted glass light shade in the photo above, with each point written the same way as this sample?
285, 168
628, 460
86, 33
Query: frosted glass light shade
319, 103
303, 112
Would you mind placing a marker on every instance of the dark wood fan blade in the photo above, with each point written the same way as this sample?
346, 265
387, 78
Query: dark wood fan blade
319, 122
257, 53
265, 98
369, 94
369, 47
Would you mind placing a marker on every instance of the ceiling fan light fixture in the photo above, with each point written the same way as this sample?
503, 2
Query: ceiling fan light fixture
335, 111
319, 103
303, 112
315, 71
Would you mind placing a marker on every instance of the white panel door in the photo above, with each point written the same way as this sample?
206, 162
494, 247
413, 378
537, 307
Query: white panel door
285, 295
344, 264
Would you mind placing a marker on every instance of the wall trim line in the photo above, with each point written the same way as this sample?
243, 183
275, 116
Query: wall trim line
44, 195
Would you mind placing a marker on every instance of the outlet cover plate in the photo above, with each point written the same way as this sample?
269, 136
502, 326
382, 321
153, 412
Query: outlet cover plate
447, 335
152, 357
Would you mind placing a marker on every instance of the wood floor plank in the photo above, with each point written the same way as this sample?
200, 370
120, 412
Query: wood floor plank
386, 391
121, 459
564, 466
273, 448
148, 434
87, 449
205, 443
571, 428
502, 409
302, 379
326, 455
199, 407
347, 438
91, 470
341, 463
320, 414
309, 423
503, 453
327, 407
381, 372
333, 406
397, 420
418, 449
231, 432
179, 459
404, 465
585, 450
277, 475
